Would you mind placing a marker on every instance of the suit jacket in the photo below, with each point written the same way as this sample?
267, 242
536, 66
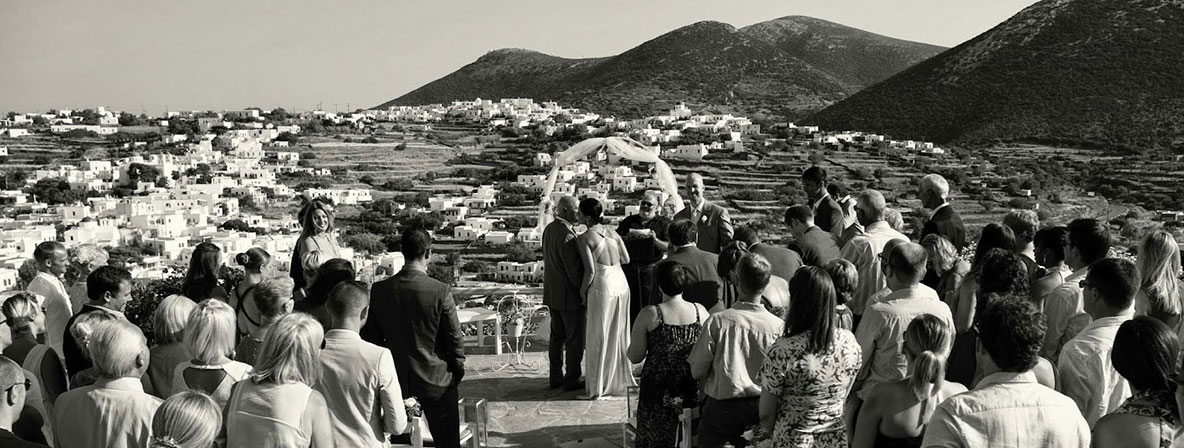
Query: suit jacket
785, 262
414, 316
708, 288
946, 222
828, 214
563, 270
715, 227
817, 246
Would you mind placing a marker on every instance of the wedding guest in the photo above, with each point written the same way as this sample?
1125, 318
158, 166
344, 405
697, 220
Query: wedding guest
1024, 224
864, 250
826, 213
84, 259
12, 402
646, 241
844, 277
23, 315
109, 289
775, 297
894, 219
1089, 241
329, 275
1050, 253
273, 299
168, 326
728, 356
317, 233
254, 262
964, 303
946, 264
713, 223
311, 262
277, 405
944, 221
816, 245
1002, 272
561, 295
51, 262
209, 336
1145, 353
188, 419
785, 262
708, 287
358, 380
81, 332
115, 412
1160, 287
809, 370
663, 337
201, 280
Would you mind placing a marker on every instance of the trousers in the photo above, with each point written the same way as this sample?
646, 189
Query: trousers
567, 338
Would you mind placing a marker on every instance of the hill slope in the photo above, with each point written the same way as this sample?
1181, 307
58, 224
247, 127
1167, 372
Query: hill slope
785, 68
1098, 72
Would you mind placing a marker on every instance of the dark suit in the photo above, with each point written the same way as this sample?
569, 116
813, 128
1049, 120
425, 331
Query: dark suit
562, 276
817, 246
415, 317
708, 288
715, 226
827, 213
946, 222
75, 360
784, 262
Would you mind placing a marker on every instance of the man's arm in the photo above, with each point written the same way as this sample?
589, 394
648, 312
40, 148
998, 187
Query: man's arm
703, 353
390, 395
1074, 373
726, 232
865, 334
450, 328
572, 267
830, 218
1056, 312
859, 253
371, 331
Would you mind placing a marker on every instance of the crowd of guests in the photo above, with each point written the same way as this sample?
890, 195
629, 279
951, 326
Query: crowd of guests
308, 358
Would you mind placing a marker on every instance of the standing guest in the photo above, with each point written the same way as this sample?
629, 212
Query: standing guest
1024, 223
188, 419
663, 337
844, 277
168, 325
316, 221
23, 315
880, 295
273, 299
816, 246
81, 332
201, 281
561, 295
277, 406
827, 215
329, 275
115, 412
945, 262
1089, 241
109, 289
713, 224
944, 221
708, 287
606, 295
1145, 352
1159, 284
809, 370
785, 262
209, 336
1008, 407
864, 251
894, 219
646, 241
964, 302
12, 402
1000, 271
254, 261
728, 356
415, 317
775, 297
311, 262
84, 259
1050, 253
358, 379
51, 262
895, 413
1085, 371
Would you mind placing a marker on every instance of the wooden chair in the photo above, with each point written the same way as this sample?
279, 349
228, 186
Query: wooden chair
629, 427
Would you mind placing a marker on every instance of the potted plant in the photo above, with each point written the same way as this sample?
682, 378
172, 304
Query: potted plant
516, 313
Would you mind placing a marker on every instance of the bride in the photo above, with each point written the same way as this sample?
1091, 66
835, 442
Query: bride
606, 296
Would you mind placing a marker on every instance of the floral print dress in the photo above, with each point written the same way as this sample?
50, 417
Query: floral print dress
1155, 403
811, 389
666, 382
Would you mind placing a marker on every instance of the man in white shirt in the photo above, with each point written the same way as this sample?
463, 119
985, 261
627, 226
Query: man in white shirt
1089, 241
51, 261
358, 378
1008, 408
1085, 372
864, 250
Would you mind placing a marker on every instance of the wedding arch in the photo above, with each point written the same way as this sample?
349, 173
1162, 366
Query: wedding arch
623, 147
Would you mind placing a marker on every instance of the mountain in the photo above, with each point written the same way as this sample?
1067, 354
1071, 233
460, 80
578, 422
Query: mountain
1084, 72
786, 67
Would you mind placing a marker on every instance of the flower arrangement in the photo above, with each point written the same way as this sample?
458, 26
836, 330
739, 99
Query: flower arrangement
757, 437
413, 408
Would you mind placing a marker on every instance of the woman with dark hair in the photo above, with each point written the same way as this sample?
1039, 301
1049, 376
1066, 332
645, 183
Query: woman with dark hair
845, 278
996, 239
662, 338
316, 222
254, 261
808, 371
201, 281
776, 295
1145, 353
606, 294
329, 274
1050, 253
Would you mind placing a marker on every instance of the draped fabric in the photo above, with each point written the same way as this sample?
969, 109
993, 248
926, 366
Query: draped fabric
623, 147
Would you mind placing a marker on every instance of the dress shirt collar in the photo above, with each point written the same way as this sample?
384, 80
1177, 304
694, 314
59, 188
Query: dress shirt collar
747, 306
917, 291
1112, 321
53, 279
564, 221
343, 335
410, 269
1007, 378
127, 384
1077, 275
685, 247
943, 205
821, 198
878, 225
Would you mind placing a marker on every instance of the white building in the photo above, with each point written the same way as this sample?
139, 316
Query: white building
508, 271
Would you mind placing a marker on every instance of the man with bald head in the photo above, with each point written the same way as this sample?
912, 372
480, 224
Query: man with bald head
944, 221
864, 250
12, 402
562, 277
645, 239
713, 222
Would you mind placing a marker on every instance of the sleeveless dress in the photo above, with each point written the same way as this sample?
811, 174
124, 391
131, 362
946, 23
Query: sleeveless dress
245, 323
1152, 403
883, 441
607, 333
665, 377
267, 415
235, 372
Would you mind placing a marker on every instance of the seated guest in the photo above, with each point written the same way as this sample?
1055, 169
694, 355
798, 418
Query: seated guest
109, 289
84, 259
358, 380
662, 338
775, 297
81, 332
708, 287
866, 250
168, 325
114, 412
895, 414
1145, 352
201, 280
1008, 407
1050, 254
1023, 224
328, 275
277, 405
273, 299
210, 339
809, 370
1085, 370
785, 262
12, 403
1159, 283
844, 277
816, 246
729, 354
945, 263
189, 419
255, 262
23, 315
1088, 241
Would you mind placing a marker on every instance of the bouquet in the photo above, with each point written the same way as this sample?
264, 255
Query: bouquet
413, 408
757, 437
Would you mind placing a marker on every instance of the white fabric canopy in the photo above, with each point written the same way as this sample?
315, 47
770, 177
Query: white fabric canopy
623, 147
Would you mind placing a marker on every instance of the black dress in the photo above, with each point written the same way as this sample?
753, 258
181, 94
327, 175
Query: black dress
665, 377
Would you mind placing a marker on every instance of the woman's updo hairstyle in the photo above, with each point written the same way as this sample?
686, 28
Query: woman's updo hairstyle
253, 259
927, 339
729, 257
592, 209
20, 310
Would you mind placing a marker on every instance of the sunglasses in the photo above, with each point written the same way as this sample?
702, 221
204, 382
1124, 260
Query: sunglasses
647, 204
28, 383
1084, 284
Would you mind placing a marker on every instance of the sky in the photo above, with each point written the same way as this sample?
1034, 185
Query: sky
152, 55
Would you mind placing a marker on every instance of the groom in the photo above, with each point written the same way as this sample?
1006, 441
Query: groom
562, 275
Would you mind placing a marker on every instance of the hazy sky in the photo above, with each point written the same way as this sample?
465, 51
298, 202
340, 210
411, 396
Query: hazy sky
219, 54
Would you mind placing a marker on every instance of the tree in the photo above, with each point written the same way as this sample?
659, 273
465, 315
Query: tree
54, 191
401, 147
15, 179
142, 173
518, 252
235, 224
398, 184
308, 156
366, 242
292, 139
367, 179
126, 119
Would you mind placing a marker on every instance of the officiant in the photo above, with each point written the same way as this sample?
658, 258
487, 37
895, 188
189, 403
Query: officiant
646, 240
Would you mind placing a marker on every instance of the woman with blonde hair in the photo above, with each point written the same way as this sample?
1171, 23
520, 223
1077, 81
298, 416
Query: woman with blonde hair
944, 261
277, 406
189, 419
84, 259
209, 336
316, 220
82, 330
23, 314
1159, 268
168, 328
273, 299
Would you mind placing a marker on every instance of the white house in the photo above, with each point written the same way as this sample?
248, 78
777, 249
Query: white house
689, 152
530, 272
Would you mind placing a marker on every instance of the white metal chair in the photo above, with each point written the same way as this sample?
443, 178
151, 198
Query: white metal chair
629, 427
472, 426
686, 427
